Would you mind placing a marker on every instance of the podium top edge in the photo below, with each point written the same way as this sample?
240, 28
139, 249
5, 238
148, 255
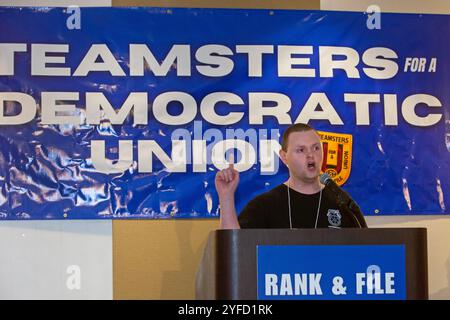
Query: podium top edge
319, 230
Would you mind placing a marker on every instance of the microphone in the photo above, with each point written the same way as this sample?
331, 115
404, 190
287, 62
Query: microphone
343, 199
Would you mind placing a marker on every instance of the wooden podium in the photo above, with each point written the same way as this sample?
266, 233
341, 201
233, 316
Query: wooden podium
229, 263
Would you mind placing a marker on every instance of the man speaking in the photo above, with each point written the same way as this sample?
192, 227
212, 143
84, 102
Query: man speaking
300, 202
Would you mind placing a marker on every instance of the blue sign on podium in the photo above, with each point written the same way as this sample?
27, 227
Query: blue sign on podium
343, 272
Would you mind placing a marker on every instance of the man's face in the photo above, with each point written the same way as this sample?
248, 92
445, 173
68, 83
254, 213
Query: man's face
304, 155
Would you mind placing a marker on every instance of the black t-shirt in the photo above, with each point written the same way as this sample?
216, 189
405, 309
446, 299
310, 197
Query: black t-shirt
271, 210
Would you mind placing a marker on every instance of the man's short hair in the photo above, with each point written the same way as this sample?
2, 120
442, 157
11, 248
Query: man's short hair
296, 127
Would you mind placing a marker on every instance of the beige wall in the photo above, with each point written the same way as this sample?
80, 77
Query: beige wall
401, 6
158, 259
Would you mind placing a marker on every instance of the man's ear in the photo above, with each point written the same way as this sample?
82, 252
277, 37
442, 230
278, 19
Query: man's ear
282, 154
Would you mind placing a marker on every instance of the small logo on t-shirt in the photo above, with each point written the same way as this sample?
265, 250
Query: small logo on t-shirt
334, 217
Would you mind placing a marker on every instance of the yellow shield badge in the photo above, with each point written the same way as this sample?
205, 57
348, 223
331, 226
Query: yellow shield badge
337, 155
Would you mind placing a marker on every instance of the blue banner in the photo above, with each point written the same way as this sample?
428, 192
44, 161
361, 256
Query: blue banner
331, 272
130, 112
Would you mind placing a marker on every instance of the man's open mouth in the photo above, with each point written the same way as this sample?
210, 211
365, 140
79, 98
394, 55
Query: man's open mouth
311, 165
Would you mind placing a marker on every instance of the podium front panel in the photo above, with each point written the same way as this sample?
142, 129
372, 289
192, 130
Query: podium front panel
228, 269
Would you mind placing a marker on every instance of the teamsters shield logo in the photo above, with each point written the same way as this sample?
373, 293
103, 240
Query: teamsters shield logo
337, 155
334, 217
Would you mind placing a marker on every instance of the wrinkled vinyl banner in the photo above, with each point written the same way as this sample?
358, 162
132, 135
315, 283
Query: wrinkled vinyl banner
129, 113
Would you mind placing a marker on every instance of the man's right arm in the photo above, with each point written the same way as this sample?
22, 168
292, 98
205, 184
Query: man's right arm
226, 183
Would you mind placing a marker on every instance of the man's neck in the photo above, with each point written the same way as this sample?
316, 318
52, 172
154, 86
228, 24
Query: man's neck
306, 187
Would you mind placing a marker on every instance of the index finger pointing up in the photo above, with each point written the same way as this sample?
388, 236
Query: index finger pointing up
231, 161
